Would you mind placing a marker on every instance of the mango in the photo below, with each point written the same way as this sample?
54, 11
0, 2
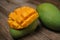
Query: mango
49, 15
22, 21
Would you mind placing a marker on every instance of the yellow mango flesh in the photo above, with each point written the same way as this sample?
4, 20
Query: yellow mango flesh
22, 17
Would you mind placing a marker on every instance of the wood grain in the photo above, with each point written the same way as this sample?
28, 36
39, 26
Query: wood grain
4, 29
40, 33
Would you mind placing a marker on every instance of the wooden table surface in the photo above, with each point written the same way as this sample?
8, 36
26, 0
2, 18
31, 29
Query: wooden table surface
40, 33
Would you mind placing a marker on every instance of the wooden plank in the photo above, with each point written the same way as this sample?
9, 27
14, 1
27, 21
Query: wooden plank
43, 34
6, 7
50, 34
4, 28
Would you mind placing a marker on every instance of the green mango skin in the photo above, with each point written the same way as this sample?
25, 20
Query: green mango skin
49, 14
20, 33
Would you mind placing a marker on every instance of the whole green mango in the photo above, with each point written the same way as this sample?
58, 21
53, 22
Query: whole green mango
20, 33
49, 14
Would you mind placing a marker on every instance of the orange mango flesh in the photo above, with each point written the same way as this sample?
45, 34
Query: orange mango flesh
22, 17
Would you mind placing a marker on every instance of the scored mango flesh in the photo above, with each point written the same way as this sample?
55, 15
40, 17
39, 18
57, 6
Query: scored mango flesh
22, 17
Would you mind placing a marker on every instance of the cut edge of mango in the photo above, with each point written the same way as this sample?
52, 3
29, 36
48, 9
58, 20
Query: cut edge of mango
22, 17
